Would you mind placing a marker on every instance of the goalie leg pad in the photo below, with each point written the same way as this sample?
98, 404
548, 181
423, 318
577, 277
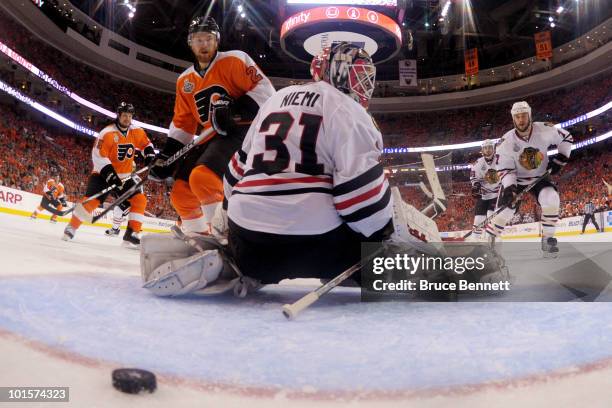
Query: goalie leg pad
185, 275
157, 249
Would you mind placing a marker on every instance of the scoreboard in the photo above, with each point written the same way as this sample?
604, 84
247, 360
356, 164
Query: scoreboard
308, 26
382, 3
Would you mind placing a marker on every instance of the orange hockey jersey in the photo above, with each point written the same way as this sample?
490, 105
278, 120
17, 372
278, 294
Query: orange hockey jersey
56, 189
231, 73
113, 147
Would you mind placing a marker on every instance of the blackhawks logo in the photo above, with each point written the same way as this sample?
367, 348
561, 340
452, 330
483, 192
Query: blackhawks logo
531, 158
491, 176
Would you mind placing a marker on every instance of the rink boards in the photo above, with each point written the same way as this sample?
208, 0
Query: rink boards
18, 202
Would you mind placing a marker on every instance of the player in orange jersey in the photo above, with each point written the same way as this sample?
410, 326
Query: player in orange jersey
54, 195
219, 87
113, 157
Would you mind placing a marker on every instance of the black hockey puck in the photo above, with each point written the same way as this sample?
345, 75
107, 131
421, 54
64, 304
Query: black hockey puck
134, 380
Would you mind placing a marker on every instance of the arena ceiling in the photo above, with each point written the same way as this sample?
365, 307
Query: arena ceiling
502, 30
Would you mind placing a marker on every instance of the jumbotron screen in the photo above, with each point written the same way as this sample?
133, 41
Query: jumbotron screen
384, 3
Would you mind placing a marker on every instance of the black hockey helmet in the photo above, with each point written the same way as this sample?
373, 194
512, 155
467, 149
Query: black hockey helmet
203, 24
125, 107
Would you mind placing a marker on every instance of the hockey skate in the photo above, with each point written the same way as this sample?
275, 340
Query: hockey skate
69, 232
550, 248
33, 216
131, 239
112, 232
53, 219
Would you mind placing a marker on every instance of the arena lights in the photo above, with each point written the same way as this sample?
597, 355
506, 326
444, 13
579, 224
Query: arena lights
18, 95
52, 82
445, 8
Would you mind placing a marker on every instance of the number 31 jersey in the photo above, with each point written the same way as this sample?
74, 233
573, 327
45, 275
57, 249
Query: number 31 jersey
309, 162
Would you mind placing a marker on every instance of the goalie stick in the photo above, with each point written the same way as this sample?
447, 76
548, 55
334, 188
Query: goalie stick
203, 137
290, 311
516, 200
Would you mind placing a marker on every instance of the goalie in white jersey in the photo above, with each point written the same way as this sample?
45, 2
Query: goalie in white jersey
303, 192
307, 186
485, 185
521, 159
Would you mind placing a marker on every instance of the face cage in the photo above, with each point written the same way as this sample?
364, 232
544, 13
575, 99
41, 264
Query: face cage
361, 81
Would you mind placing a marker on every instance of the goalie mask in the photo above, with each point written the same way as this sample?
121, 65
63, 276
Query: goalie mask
347, 68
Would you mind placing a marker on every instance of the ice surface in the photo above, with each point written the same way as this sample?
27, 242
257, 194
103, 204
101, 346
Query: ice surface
75, 310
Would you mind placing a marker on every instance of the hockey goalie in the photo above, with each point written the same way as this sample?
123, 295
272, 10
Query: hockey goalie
302, 194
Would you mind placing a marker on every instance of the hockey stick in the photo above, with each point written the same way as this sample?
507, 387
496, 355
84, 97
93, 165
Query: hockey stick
126, 195
516, 200
106, 190
290, 311
204, 136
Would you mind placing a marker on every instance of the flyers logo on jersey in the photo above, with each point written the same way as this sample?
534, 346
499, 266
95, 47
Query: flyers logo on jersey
531, 158
491, 176
125, 151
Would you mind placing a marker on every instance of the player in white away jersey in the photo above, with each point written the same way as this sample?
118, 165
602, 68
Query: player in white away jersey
485, 185
521, 159
307, 186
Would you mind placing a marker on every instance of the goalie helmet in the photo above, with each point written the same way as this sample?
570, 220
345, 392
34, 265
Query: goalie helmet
203, 24
488, 149
125, 107
347, 68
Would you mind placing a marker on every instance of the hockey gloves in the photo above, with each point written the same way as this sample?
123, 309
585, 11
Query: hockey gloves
110, 176
159, 172
476, 191
149, 155
508, 196
556, 163
221, 116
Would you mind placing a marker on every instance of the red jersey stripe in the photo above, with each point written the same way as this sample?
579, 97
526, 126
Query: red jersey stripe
343, 205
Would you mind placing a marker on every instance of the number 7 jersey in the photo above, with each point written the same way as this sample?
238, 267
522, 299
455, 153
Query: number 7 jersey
309, 162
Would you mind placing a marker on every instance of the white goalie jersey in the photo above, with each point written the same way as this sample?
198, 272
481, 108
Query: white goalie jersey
522, 161
485, 173
309, 162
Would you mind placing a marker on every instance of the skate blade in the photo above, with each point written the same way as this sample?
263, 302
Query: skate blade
66, 238
550, 255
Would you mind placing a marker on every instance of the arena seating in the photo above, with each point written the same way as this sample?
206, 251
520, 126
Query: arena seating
32, 153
